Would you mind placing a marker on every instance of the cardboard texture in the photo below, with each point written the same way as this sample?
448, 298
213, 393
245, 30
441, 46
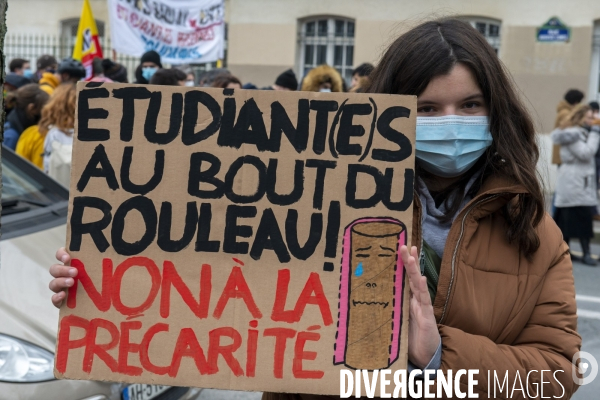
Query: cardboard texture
241, 240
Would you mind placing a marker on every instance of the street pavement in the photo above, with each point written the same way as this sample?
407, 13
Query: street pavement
587, 287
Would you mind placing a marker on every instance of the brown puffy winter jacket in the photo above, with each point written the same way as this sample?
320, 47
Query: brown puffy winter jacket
495, 309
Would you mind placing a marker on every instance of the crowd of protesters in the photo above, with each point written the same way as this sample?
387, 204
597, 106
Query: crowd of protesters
576, 152
40, 104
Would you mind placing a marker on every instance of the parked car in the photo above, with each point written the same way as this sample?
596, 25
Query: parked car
33, 226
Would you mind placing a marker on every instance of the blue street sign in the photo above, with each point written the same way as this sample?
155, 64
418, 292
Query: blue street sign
553, 31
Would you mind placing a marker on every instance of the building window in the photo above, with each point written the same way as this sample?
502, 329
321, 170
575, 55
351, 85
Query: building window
68, 35
489, 28
327, 41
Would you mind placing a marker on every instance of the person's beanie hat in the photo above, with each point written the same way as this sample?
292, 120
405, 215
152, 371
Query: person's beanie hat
151, 56
287, 79
113, 71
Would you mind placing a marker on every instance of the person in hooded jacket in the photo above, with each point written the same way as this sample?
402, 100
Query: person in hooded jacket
576, 186
564, 108
149, 64
497, 292
26, 103
323, 79
45, 74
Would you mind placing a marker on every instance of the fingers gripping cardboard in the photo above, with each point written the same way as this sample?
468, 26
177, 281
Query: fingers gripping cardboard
237, 239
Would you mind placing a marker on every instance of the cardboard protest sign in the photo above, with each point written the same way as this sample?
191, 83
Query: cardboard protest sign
242, 240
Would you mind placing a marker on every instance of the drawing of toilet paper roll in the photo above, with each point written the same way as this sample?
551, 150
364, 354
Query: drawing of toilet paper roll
371, 292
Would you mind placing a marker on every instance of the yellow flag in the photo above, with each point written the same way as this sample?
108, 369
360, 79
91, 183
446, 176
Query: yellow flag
87, 45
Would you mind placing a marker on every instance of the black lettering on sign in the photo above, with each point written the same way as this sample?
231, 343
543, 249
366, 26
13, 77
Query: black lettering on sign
407, 198
321, 166
146, 208
95, 228
233, 230
351, 186
129, 95
152, 118
280, 122
165, 226
159, 166
203, 242
323, 108
332, 130
98, 166
314, 235
295, 194
197, 176
348, 129
85, 114
334, 216
261, 186
268, 236
249, 128
372, 132
190, 117
385, 130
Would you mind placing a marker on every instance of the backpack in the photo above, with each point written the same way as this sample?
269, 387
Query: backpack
59, 166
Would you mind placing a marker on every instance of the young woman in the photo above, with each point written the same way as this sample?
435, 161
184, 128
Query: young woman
58, 121
26, 104
494, 263
576, 186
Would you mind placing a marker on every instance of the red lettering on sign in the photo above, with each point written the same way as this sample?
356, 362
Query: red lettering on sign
281, 336
101, 301
145, 345
237, 288
215, 348
101, 350
171, 277
64, 339
300, 354
154, 273
313, 285
126, 347
188, 346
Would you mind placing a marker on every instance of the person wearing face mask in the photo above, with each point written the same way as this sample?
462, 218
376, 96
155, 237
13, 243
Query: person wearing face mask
149, 64
490, 277
323, 79
26, 104
20, 66
576, 184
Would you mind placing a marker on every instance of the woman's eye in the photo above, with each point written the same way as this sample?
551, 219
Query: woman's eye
425, 109
471, 104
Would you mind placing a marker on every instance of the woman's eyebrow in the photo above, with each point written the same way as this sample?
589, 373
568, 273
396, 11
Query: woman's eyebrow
476, 96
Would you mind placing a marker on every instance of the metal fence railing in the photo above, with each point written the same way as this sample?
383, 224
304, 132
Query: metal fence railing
30, 47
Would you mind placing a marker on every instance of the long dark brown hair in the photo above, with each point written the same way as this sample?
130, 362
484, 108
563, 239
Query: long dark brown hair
433, 49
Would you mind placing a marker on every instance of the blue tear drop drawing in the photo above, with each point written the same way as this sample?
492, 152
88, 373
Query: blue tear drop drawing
359, 269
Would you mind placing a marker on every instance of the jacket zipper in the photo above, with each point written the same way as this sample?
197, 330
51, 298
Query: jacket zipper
462, 229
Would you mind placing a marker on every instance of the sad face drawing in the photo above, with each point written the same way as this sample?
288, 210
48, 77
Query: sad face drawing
372, 295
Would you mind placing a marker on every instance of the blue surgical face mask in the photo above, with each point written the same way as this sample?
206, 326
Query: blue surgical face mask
448, 146
28, 73
147, 72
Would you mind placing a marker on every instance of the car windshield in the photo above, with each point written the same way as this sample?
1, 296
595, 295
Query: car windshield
18, 185
25, 187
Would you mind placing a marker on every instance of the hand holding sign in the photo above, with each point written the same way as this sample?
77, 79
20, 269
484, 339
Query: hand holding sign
207, 228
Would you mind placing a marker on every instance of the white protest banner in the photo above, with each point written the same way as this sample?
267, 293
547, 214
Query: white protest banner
181, 31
